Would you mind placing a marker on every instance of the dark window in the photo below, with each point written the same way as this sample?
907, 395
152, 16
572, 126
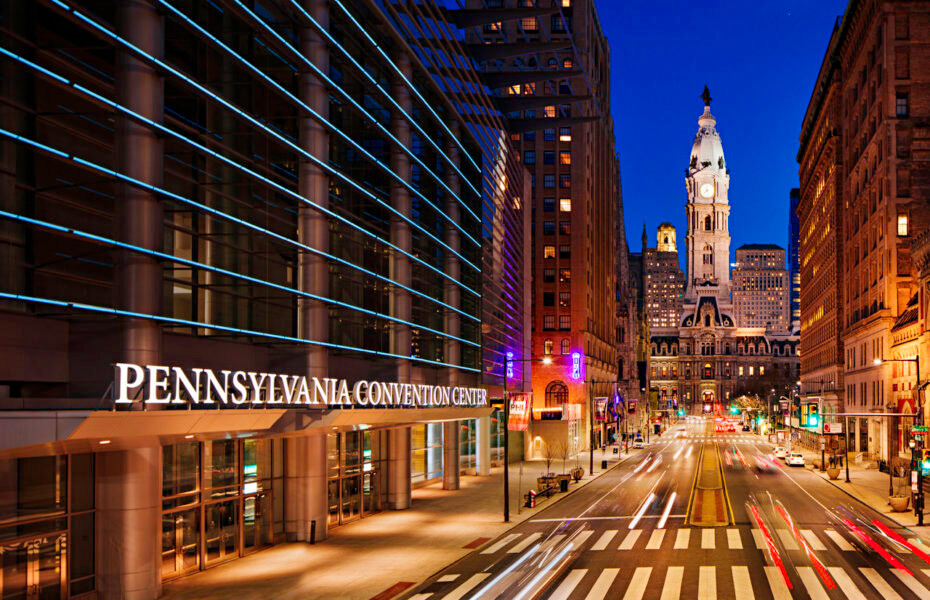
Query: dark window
565, 322
549, 135
900, 105
529, 157
548, 227
549, 180
706, 222
549, 275
556, 394
548, 157
565, 251
565, 180
565, 299
529, 136
566, 346
549, 204
548, 298
565, 227
548, 322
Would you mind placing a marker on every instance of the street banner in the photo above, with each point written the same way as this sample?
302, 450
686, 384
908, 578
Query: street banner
519, 412
833, 428
600, 409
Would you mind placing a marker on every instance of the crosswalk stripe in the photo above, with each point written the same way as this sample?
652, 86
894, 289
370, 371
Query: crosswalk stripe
447, 578
605, 538
733, 539
466, 587
809, 578
908, 580
708, 540
638, 584
742, 585
495, 547
421, 596
845, 583
630, 539
655, 540
839, 540
884, 590
671, 590
758, 539
582, 537
788, 540
813, 540
925, 572
682, 538
780, 589
568, 584
603, 583
707, 583
525, 543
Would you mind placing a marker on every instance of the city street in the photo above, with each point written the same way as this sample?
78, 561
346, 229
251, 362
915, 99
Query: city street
630, 535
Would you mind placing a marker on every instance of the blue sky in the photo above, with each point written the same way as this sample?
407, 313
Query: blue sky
760, 60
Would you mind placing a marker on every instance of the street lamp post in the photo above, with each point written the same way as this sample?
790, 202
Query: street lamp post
508, 361
915, 450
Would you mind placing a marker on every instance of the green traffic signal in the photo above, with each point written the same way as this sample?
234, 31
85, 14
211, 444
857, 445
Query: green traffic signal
812, 421
734, 409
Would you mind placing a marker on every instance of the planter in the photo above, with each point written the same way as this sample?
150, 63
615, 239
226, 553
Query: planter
833, 473
577, 474
546, 481
899, 503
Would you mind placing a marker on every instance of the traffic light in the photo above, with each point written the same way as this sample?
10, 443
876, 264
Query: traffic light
734, 409
925, 463
813, 415
681, 412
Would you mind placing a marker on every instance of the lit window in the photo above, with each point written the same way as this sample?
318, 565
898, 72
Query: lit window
565, 134
565, 275
751, 370
761, 370
529, 24
565, 299
741, 371
566, 3
567, 63
565, 205
547, 347
902, 225
548, 251
565, 157
549, 111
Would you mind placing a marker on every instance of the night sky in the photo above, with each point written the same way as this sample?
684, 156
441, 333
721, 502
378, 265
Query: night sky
760, 60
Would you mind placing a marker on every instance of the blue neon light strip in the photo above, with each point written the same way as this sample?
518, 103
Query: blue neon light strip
228, 217
199, 265
188, 323
271, 131
361, 109
387, 95
397, 70
334, 129
78, 87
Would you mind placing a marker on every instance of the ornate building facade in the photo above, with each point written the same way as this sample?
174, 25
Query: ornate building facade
709, 357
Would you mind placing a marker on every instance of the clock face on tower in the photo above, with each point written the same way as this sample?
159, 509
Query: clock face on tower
707, 190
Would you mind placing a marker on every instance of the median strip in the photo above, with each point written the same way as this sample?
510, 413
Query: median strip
708, 505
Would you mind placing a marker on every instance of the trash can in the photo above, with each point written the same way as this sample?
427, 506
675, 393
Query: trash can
616, 449
563, 485
604, 465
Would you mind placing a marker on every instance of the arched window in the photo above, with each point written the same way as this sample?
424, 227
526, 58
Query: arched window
565, 346
707, 224
556, 394
706, 320
666, 239
708, 254
553, 64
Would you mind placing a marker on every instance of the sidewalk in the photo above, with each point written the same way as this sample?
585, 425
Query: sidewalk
871, 487
389, 552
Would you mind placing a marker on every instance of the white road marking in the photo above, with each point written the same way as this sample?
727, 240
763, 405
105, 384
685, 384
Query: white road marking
682, 538
908, 580
780, 589
630, 539
758, 539
450, 577
788, 540
733, 539
525, 543
499, 545
708, 540
884, 590
813, 540
421, 596
845, 583
671, 590
655, 540
569, 584
582, 538
707, 583
466, 587
742, 584
638, 584
603, 583
605, 538
839, 540
809, 578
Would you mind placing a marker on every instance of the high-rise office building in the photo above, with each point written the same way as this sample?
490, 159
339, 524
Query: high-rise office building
261, 274
760, 284
664, 282
794, 259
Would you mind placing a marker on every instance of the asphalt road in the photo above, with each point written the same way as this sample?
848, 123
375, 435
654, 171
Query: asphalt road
626, 535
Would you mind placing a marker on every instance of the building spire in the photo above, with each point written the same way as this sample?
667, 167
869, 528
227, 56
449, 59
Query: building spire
705, 95
645, 238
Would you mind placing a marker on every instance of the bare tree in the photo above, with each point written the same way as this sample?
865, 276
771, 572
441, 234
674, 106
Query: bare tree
549, 453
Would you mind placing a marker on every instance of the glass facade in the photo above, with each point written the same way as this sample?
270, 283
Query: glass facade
356, 474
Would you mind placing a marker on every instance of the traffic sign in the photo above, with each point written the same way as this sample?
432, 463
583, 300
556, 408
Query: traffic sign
921, 428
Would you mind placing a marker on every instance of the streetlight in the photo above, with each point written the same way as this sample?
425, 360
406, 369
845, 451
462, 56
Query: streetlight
508, 372
915, 449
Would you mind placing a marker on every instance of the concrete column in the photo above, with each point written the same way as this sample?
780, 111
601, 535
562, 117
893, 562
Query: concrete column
400, 268
484, 446
128, 524
139, 154
306, 490
398, 475
858, 438
313, 183
451, 455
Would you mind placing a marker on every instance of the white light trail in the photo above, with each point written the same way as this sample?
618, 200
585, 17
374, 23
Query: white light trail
641, 465
503, 573
688, 453
642, 510
654, 463
677, 454
542, 572
668, 509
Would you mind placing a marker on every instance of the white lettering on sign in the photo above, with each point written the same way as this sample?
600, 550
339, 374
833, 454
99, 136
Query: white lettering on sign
156, 384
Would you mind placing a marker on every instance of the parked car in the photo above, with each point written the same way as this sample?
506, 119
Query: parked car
780, 452
746, 428
795, 459
638, 443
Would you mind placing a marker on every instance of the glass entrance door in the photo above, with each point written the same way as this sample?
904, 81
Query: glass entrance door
33, 569
180, 542
221, 531
351, 498
256, 524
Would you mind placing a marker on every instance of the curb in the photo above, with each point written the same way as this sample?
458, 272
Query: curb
411, 591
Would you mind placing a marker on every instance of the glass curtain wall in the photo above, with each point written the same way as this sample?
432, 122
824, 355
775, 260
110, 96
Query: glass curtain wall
221, 499
356, 471
426, 449
47, 526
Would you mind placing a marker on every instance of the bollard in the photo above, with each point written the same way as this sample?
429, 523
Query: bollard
313, 531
